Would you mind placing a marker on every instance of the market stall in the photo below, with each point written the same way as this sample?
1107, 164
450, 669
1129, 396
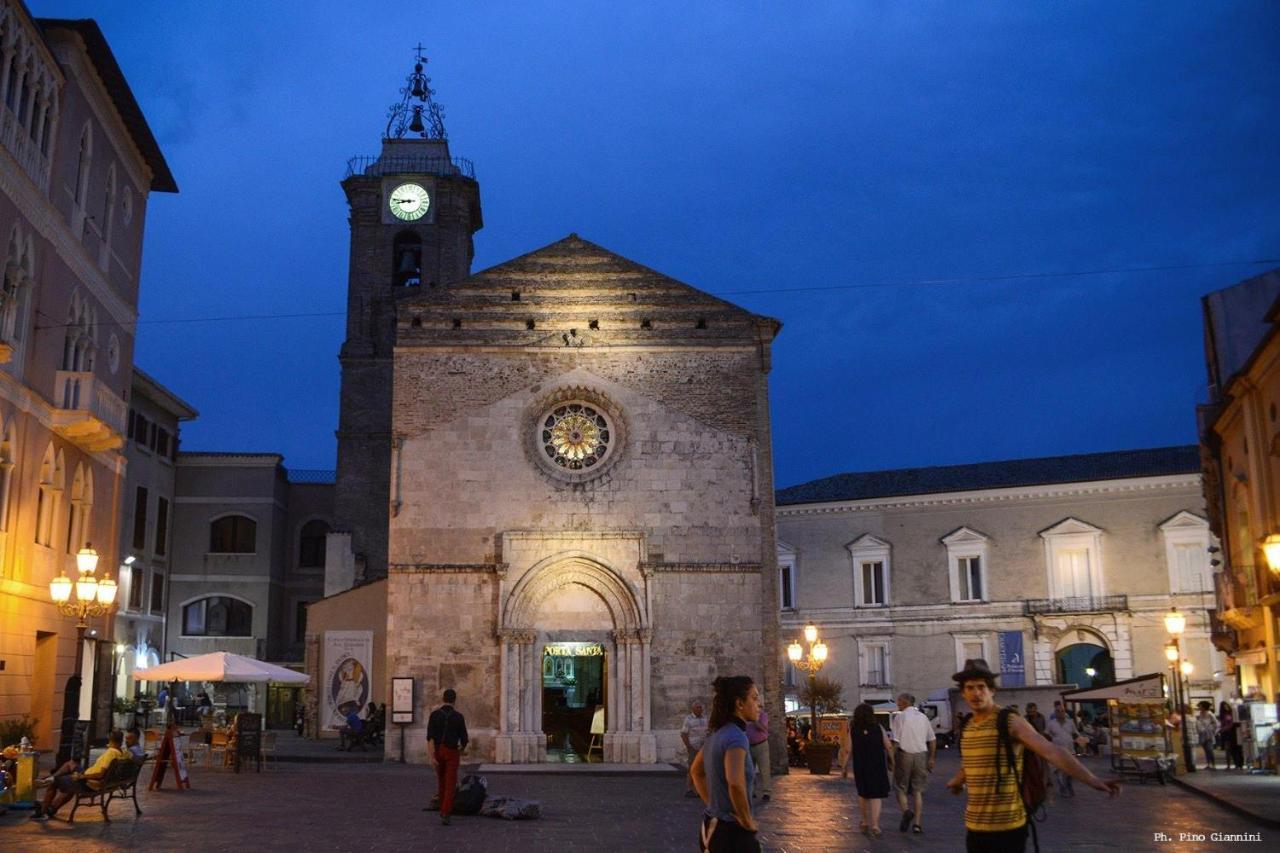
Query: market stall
1143, 741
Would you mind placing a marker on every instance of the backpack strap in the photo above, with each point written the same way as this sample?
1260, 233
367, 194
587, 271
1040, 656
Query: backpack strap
1004, 737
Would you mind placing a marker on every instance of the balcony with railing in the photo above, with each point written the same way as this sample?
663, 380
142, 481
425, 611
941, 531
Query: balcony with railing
376, 167
1076, 604
87, 412
16, 138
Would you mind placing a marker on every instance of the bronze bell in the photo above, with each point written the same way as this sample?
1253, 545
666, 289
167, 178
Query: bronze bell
416, 125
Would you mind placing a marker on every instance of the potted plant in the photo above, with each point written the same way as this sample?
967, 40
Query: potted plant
12, 731
123, 708
823, 696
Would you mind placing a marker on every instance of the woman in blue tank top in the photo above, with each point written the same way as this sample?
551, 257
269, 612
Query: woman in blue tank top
722, 772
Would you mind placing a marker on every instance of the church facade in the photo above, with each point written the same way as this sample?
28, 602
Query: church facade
561, 466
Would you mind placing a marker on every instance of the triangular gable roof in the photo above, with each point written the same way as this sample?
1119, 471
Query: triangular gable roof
1070, 525
867, 542
1184, 520
574, 281
964, 534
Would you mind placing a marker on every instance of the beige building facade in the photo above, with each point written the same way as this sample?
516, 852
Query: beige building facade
1240, 437
77, 164
908, 573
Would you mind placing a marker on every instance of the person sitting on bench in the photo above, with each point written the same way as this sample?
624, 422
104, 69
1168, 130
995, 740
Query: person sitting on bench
69, 784
132, 746
352, 733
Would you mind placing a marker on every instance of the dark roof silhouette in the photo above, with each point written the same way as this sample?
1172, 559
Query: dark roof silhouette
1116, 465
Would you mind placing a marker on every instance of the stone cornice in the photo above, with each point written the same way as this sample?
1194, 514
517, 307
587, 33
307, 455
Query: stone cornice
984, 496
29, 402
442, 568
700, 568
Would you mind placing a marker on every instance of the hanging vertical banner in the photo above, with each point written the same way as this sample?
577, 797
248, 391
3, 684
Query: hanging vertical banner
348, 675
1013, 667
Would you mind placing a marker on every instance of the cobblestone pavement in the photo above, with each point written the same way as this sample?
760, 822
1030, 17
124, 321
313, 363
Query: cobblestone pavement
378, 807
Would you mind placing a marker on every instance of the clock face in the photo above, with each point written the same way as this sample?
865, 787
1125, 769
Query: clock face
409, 202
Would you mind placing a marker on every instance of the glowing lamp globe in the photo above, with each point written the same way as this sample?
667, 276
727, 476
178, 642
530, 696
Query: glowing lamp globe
820, 652
60, 589
1271, 548
1187, 668
1174, 622
106, 591
87, 560
87, 588
1171, 653
810, 634
795, 652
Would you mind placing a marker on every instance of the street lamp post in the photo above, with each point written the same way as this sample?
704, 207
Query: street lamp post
1175, 623
812, 663
93, 598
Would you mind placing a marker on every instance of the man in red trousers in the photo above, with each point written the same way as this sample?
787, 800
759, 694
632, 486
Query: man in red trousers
446, 740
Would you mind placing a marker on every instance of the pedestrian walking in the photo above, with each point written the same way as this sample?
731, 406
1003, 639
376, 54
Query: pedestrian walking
916, 748
693, 731
1229, 734
758, 737
1061, 731
1035, 718
446, 741
995, 817
872, 763
1206, 731
723, 773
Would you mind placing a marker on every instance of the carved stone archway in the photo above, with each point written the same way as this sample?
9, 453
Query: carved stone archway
628, 738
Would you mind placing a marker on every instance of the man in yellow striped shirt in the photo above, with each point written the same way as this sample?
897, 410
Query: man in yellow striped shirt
994, 815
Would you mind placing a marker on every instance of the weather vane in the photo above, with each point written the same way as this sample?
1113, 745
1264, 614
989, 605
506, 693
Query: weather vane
416, 114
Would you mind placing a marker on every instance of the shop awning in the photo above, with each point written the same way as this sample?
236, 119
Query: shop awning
221, 666
1142, 687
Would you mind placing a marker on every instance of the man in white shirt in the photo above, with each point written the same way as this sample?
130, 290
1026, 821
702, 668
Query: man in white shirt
1061, 731
917, 747
693, 732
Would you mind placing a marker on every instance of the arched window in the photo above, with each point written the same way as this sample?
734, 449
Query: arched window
17, 272
83, 164
52, 484
108, 214
233, 534
80, 342
76, 511
7, 456
217, 616
406, 258
311, 544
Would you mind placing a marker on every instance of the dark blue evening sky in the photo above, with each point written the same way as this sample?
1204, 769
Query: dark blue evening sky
741, 147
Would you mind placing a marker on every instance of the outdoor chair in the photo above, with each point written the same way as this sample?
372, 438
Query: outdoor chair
218, 744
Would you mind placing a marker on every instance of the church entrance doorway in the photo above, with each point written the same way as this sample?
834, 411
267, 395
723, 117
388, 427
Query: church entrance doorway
574, 684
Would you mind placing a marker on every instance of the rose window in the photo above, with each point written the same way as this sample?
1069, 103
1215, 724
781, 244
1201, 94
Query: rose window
575, 436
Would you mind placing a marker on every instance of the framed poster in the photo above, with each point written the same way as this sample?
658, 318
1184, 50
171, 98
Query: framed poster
348, 676
402, 700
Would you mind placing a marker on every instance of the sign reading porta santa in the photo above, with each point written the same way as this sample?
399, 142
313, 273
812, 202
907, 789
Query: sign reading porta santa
348, 675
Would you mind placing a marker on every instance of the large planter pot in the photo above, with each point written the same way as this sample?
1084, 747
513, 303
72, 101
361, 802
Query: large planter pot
818, 757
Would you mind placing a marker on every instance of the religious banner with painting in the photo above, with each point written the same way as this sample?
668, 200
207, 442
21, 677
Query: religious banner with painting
348, 675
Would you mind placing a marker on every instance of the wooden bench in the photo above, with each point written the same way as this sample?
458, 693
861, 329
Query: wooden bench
120, 782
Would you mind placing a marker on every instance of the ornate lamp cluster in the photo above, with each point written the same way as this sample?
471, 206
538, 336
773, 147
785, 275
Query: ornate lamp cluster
93, 597
811, 664
416, 112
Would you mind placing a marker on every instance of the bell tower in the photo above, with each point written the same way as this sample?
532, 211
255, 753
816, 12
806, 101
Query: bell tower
414, 208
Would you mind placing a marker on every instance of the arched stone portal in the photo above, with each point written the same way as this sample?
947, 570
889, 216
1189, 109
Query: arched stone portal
574, 597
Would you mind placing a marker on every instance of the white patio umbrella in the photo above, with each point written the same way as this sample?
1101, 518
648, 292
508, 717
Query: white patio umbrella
221, 666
